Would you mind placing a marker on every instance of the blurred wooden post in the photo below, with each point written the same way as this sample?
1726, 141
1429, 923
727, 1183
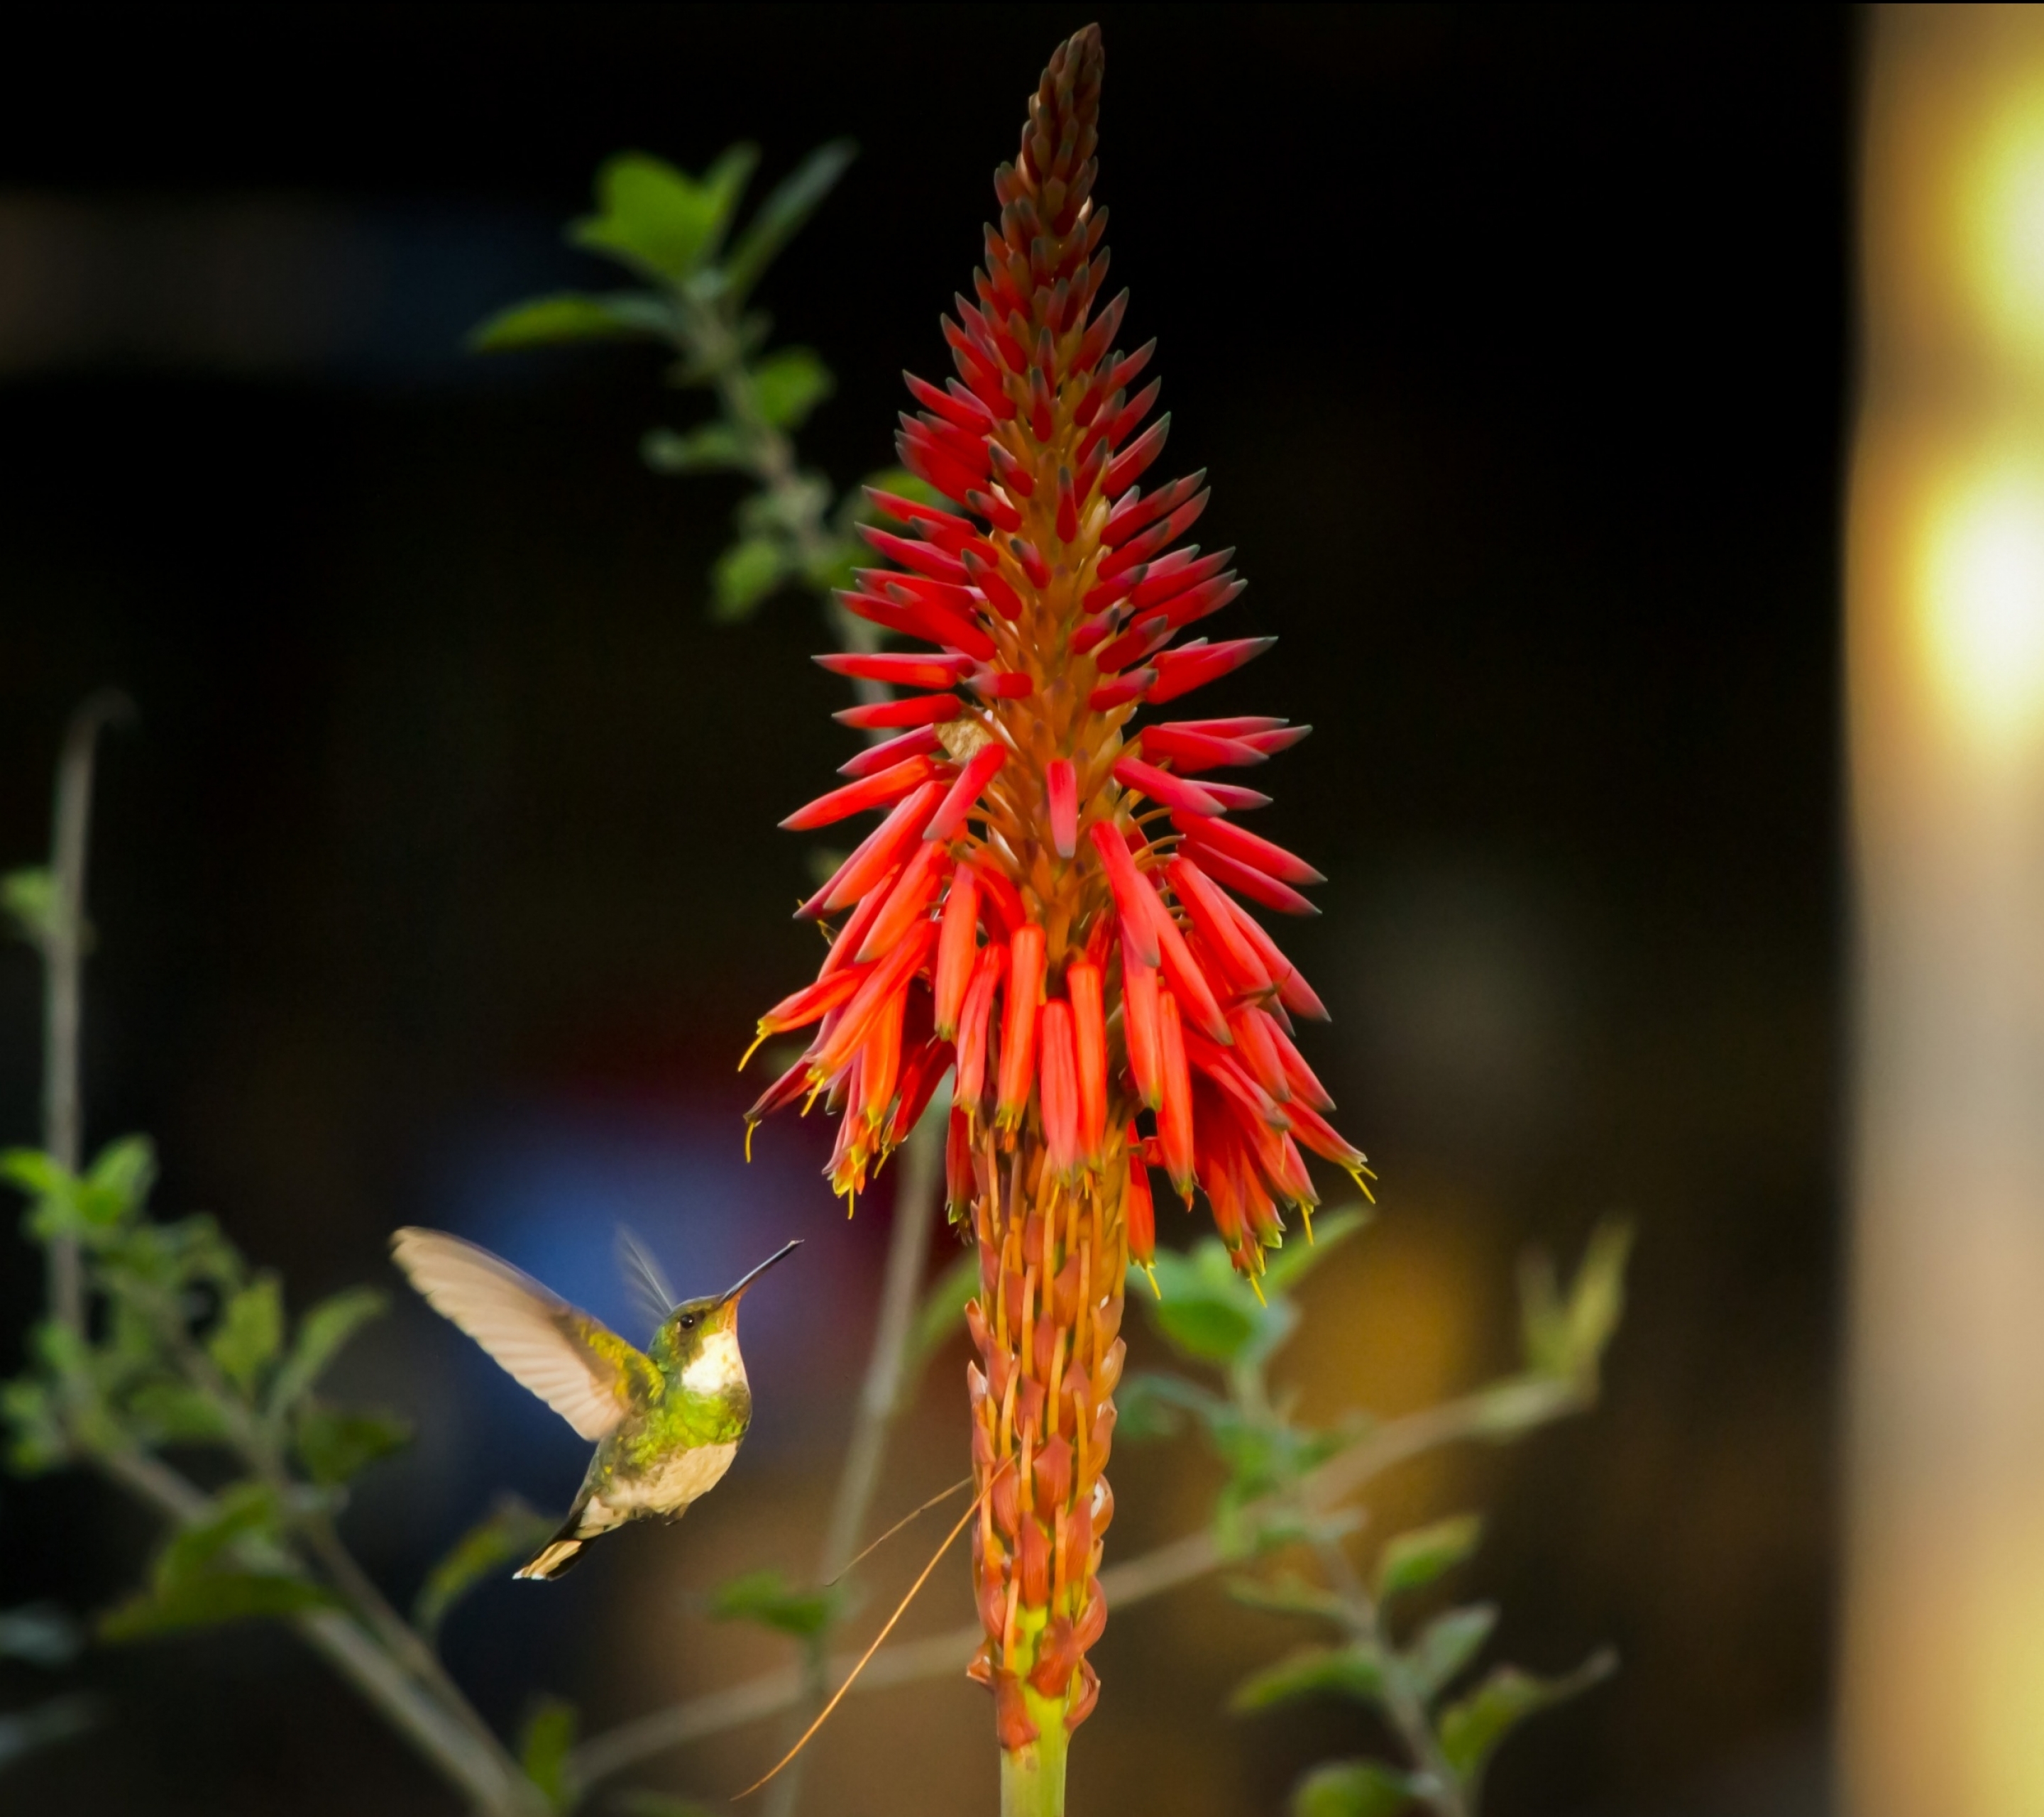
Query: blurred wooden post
1942, 1691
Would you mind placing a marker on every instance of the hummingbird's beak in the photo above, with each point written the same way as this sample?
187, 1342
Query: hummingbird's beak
780, 1254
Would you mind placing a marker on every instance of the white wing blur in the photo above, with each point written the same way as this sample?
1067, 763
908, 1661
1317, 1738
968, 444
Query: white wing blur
575, 1363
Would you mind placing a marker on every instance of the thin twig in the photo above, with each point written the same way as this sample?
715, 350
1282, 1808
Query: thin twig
1490, 1413
64, 967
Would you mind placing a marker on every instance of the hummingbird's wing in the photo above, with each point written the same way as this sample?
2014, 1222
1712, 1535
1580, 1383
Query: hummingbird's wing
576, 1364
644, 1276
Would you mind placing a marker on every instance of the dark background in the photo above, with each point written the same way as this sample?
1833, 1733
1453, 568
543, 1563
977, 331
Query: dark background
439, 880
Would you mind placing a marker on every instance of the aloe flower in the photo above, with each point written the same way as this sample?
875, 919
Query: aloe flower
1051, 906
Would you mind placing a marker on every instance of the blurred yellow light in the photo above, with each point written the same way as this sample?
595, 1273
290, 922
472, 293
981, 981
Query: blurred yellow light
2006, 221
1983, 599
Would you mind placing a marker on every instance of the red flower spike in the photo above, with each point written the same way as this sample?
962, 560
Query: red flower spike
974, 1017
1053, 591
1164, 788
811, 1004
1175, 1112
1061, 793
875, 855
888, 979
908, 901
1293, 992
1083, 986
1139, 1210
958, 950
965, 793
1143, 1029
878, 716
877, 757
1258, 885
1132, 686
852, 936
1180, 671
990, 580
900, 671
1018, 1027
1245, 847
1058, 1088
880, 791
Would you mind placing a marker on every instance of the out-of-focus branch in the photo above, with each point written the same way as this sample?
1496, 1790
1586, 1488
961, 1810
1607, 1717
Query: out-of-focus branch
64, 975
1512, 1406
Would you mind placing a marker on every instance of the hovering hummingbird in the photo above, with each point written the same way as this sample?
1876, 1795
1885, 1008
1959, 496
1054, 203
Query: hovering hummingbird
667, 1420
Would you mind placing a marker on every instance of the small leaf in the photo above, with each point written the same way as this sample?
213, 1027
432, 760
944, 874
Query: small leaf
174, 1413
211, 1599
709, 449
575, 316
36, 1438
1353, 1789
250, 1332
1471, 1729
322, 1331
1287, 1594
1412, 1561
510, 1531
1447, 1645
780, 216
29, 898
1285, 1268
659, 219
336, 1444
241, 1511
1565, 1337
37, 1175
941, 1317
118, 1182
765, 1597
744, 575
42, 1633
543, 1747
788, 384
1208, 1317
1345, 1671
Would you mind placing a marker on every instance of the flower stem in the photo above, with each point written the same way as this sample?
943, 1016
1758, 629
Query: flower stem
1032, 1777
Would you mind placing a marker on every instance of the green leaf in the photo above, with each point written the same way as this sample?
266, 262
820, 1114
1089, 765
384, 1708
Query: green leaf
174, 1413
250, 1332
575, 316
1412, 1561
35, 1438
37, 1175
1208, 1314
765, 1597
1471, 1729
744, 575
1565, 1337
335, 1444
42, 1633
788, 384
543, 1747
1345, 1671
1285, 1267
242, 1510
1447, 1645
1353, 1789
709, 449
659, 219
211, 1599
941, 1317
509, 1532
780, 216
118, 1182
1286, 1594
29, 898
324, 1330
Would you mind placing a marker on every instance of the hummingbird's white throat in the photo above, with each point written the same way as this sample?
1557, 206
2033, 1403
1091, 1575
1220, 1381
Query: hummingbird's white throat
716, 1367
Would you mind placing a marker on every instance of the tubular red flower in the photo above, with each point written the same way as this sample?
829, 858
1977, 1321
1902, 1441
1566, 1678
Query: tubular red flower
957, 949
1083, 986
965, 793
879, 791
975, 1014
1022, 1000
1059, 1086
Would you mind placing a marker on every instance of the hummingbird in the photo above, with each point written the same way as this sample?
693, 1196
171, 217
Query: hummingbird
667, 1420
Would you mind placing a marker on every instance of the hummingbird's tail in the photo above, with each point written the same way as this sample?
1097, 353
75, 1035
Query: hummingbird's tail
557, 1556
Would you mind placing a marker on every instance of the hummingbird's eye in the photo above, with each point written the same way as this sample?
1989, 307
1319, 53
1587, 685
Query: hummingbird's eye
688, 1321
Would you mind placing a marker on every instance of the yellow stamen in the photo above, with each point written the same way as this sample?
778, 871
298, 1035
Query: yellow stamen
1152, 1272
764, 1031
